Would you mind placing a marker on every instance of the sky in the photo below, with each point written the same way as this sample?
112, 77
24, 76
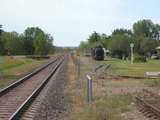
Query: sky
72, 21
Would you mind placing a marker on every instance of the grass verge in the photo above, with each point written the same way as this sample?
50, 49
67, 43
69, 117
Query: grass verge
124, 68
14, 68
103, 107
106, 108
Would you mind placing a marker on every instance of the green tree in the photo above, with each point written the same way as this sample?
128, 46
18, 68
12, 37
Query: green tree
1, 29
1, 43
12, 43
144, 45
122, 31
143, 28
84, 45
94, 38
40, 44
104, 40
29, 35
37, 42
50, 48
146, 34
120, 45
156, 32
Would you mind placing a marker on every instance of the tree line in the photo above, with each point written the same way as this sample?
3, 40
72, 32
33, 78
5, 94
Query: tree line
33, 41
144, 34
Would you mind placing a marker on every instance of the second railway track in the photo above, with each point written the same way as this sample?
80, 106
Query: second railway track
147, 109
15, 98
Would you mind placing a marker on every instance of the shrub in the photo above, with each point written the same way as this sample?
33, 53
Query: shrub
38, 57
11, 62
140, 59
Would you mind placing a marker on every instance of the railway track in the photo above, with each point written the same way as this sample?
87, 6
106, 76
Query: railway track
17, 97
150, 111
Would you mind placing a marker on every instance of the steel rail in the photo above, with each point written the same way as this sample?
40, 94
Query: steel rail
150, 108
26, 104
8, 88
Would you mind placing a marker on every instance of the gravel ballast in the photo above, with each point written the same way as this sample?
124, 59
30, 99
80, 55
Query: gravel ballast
53, 106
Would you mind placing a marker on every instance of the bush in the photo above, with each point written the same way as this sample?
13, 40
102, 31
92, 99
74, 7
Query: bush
140, 59
12, 62
38, 57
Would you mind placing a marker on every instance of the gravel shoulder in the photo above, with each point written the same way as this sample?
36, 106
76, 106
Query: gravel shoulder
53, 106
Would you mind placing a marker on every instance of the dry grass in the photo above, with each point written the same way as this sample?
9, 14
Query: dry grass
73, 94
14, 68
113, 95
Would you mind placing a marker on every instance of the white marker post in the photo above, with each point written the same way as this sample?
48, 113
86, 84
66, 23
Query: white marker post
89, 89
132, 45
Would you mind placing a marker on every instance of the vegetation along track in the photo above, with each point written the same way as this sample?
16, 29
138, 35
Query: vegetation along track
15, 98
147, 109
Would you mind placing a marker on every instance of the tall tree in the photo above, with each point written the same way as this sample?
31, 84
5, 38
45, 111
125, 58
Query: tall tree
1, 43
12, 43
1, 29
146, 34
50, 48
144, 45
156, 32
40, 44
84, 45
122, 31
143, 28
29, 35
119, 45
95, 37
104, 40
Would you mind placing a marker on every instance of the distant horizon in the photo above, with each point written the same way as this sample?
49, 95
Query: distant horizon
71, 22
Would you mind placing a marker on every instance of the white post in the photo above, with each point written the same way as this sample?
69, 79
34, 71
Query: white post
89, 89
132, 45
